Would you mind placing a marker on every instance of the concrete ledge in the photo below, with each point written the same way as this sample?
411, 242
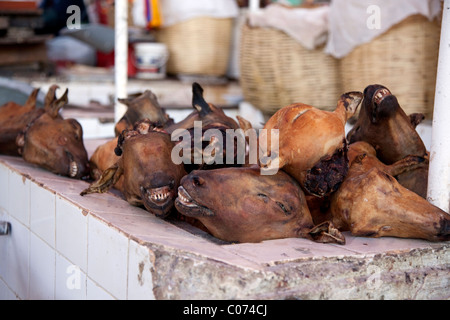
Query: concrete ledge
123, 252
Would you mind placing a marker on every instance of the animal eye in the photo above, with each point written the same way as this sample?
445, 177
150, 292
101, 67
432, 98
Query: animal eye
197, 181
286, 211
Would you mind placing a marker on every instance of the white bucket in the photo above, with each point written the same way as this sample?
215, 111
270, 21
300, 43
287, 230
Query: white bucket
150, 60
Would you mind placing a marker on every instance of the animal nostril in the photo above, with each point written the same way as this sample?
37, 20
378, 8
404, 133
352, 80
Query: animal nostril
197, 181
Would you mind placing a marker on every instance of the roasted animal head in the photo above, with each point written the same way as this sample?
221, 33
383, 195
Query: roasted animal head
13, 119
139, 107
383, 124
312, 145
240, 205
54, 143
205, 127
150, 178
370, 201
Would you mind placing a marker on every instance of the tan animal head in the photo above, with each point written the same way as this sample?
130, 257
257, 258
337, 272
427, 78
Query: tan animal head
312, 145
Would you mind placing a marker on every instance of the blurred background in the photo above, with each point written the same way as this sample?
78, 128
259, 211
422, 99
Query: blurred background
251, 56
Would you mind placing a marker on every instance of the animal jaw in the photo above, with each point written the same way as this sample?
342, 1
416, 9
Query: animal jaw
380, 94
158, 200
185, 203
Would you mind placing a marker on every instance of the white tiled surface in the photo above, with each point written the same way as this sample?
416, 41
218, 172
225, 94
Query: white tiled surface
64, 246
107, 258
56, 250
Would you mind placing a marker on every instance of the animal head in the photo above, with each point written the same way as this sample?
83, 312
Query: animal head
240, 205
204, 128
308, 139
54, 143
384, 124
141, 106
207, 113
150, 178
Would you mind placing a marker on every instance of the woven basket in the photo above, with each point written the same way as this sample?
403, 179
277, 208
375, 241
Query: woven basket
403, 59
275, 70
199, 46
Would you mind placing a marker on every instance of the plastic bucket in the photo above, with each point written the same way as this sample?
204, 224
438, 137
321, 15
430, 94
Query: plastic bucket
150, 60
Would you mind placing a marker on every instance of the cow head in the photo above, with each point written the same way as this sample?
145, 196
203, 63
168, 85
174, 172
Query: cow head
54, 143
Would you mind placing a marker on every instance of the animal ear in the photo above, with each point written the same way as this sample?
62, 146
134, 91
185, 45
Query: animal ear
50, 96
198, 102
53, 108
350, 101
326, 232
416, 119
31, 101
244, 123
107, 180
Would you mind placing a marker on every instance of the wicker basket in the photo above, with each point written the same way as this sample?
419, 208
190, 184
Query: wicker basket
199, 46
404, 59
275, 70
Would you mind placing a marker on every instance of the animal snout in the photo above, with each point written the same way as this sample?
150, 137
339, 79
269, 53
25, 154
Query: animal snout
444, 230
160, 179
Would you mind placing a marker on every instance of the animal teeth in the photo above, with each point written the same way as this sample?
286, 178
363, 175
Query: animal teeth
159, 196
73, 169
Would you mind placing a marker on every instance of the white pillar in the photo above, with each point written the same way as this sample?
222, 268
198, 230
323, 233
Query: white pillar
439, 171
120, 56
253, 5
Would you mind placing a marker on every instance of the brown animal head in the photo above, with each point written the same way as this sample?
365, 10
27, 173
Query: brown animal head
383, 124
54, 143
240, 205
13, 119
370, 201
208, 117
141, 106
312, 146
150, 178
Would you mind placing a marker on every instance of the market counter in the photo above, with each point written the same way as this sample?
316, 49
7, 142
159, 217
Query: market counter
64, 246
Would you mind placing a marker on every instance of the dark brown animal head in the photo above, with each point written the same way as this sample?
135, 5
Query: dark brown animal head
384, 124
54, 143
141, 106
150, 178
210, 115
240, 205
205, 116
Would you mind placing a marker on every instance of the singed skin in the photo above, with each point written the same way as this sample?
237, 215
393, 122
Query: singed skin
42, 137
149, 177
370, 201
261, 207
308, 135
384, 125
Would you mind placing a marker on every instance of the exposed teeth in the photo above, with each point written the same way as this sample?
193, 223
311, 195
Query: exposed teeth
159, 196
185, 201
73, 170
